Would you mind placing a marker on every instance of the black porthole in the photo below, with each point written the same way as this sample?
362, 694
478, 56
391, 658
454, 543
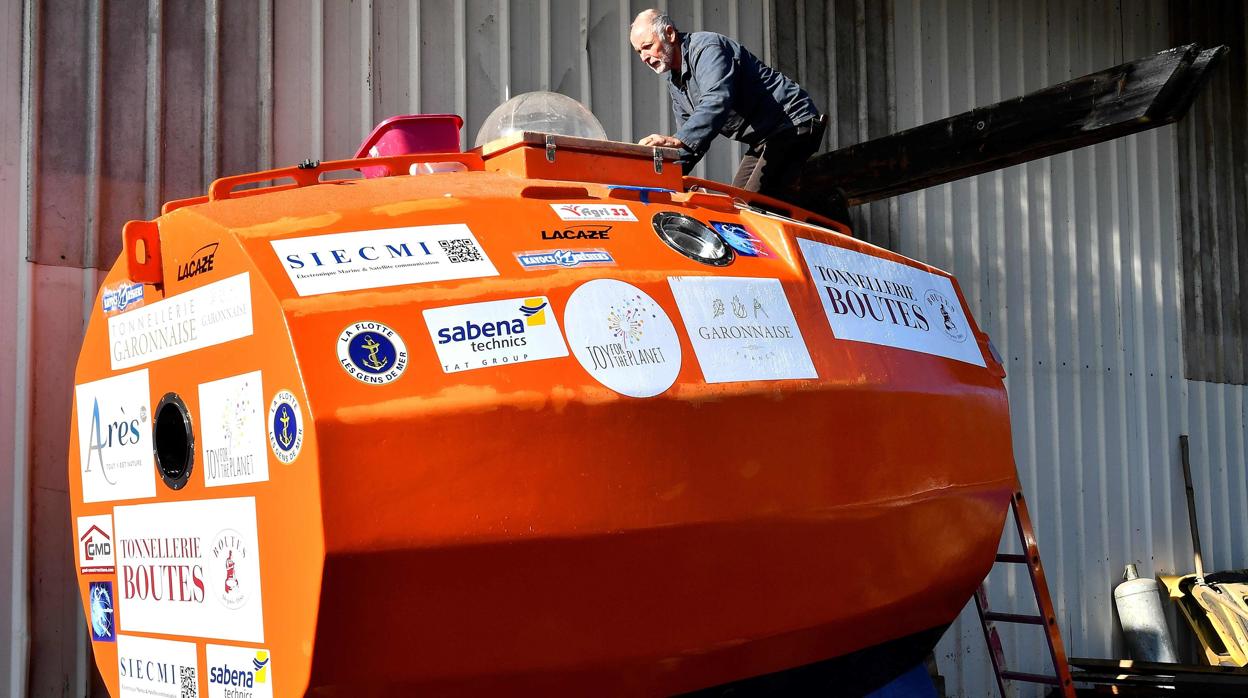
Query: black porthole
692, 238
173, 441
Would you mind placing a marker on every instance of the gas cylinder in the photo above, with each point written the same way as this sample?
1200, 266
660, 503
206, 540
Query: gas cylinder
1143, 622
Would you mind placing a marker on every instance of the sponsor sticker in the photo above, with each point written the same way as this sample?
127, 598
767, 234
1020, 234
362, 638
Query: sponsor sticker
212, 314
622, 337
742, 239
151, 668
593, 212
578, 232
371, 352
190, 568
546, 259
122, 296
285, 426
495, 333
103, 614
201, 262
115, 438
868, 299
231, 415
239, 672
380, 258
741, 329
95, 544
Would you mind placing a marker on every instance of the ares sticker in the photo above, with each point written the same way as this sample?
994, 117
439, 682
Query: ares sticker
372, 353
285, 426
742, 239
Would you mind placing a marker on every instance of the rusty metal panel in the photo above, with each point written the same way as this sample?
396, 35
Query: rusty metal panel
1213, 198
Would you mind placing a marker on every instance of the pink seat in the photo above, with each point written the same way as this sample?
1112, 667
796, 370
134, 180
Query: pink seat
408, 134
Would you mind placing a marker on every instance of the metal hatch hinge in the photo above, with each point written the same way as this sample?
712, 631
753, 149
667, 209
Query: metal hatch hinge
658, 161
550, 148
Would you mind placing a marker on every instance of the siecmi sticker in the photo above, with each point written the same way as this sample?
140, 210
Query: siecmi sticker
382, 258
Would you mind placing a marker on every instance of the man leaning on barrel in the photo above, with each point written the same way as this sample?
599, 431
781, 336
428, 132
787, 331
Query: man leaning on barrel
717, 86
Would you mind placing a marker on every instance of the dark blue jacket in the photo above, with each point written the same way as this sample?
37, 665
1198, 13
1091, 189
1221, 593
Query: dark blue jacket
723, 88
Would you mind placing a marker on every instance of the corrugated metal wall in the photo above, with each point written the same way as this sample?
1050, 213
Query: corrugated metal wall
1072, 263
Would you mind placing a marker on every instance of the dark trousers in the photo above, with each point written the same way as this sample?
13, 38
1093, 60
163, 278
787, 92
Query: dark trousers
772, 166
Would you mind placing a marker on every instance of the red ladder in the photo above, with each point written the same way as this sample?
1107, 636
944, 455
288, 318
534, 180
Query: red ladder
1046, 618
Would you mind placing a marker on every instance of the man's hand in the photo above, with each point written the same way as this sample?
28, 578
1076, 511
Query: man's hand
660, 141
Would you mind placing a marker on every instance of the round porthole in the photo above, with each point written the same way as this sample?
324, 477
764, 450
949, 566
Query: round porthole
173, 440
692, 238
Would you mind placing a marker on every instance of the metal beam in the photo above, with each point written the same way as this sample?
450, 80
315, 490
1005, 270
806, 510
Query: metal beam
1125, 99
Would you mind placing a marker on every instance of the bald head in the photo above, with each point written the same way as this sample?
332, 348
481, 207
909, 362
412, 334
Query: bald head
653, 36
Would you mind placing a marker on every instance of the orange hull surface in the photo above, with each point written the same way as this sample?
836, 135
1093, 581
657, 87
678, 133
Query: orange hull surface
480, 432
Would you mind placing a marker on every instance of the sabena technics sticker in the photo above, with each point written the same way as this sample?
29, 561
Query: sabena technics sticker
495, 333
371, 352
285, 426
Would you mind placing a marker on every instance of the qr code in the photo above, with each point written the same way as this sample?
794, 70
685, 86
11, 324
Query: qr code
461, 250
190, 683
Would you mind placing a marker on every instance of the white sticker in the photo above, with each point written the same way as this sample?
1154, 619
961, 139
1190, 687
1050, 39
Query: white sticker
371, 352
741, 329
115, 438
151, 668
594, 212
95, 544
216, 313
380, 258
868, 299
231, 418
285, 426
622, 337
495, 333
239, 672
190, 568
